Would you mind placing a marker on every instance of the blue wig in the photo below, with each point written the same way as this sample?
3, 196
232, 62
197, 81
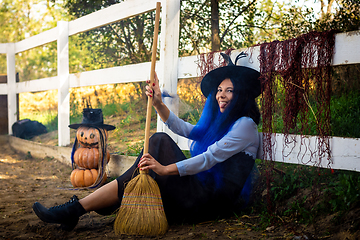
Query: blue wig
213, 125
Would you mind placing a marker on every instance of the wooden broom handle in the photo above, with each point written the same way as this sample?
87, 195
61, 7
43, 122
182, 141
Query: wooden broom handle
152, 77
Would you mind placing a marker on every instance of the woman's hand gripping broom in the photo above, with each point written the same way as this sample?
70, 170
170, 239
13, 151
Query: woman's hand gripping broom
141, 211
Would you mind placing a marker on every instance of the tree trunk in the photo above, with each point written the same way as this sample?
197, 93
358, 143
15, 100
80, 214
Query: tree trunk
328, 8
215, 32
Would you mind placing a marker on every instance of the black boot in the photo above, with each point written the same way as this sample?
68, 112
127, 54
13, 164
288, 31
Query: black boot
66, 214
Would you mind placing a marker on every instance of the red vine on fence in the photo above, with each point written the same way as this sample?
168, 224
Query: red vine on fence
297, 68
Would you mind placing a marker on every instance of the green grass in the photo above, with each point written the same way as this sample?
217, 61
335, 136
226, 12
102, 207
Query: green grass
306, 193
135, 149
345, 115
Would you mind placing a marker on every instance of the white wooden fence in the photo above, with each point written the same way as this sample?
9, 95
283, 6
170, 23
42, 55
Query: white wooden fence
345, 152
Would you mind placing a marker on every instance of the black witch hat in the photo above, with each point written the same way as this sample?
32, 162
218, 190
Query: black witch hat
92, 118
247, 77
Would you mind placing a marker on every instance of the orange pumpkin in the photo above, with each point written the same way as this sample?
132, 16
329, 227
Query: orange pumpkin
89, 136
88, 157
85, 177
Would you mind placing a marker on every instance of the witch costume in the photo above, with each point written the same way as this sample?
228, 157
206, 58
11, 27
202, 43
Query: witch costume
216, 181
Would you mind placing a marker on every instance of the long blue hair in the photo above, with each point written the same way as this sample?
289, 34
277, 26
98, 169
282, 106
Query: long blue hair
213, 124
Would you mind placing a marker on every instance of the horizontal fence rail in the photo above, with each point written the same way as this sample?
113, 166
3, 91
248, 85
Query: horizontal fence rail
345, 152
170, 68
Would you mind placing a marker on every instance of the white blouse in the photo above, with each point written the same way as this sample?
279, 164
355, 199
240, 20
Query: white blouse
242, 137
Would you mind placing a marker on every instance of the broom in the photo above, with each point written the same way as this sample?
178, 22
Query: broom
141, 211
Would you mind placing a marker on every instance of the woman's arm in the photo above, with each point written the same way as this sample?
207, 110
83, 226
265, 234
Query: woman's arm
243, 136
174, 123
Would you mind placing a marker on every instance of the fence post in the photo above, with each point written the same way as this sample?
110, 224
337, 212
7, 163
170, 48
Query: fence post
63, 87
169, 51
11, 86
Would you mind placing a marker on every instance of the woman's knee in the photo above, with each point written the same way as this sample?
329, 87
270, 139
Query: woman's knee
160, 140
164, 149
158, 136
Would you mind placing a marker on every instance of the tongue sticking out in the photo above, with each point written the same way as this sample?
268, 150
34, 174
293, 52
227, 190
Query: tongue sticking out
222, 104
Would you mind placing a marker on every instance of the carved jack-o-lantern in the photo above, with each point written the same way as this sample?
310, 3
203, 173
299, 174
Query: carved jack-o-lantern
88, 136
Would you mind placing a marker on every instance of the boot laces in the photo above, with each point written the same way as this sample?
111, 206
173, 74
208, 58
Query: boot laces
73, 199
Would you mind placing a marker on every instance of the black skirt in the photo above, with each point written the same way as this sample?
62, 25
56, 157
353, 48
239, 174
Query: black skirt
208, 195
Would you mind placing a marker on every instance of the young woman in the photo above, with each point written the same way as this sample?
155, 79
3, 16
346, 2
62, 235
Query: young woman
216, 180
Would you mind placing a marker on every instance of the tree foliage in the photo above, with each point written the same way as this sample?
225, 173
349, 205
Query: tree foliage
346, 18
236, 20
124, 42
342, 15
24, 18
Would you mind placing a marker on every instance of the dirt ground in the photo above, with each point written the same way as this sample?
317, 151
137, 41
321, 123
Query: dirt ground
25, 180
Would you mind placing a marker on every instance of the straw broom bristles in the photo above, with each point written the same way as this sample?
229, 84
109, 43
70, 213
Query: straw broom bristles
141, 211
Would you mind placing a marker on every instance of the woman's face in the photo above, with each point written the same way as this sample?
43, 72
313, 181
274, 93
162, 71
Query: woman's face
224, 94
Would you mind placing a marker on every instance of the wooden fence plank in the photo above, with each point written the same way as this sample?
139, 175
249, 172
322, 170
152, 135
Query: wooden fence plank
11, 86
168, 75
120, 74
110, 15
3, 89
37, 40
63, 84
3, 48
347, 48
37, 85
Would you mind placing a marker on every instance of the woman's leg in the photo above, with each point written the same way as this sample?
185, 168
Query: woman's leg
104, 197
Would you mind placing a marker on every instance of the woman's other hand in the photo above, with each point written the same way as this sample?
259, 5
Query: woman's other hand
153, 90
